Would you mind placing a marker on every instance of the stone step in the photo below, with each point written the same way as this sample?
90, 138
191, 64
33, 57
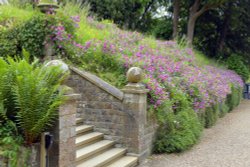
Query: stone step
104, 158
87, 138
126, 161
92, 149
79, 120
83, 128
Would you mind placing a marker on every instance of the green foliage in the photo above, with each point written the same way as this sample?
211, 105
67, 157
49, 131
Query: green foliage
125, 13
202, 118
234, 62
223, 109
163, 29
10, 146
47, 2
88, 28
10, 140
36, 98
10, 15
179, 126
108, 67
180, 132
8, 42
234, 98
211, 115
29, 35
34, 94
105, 62
114, 78
33, 34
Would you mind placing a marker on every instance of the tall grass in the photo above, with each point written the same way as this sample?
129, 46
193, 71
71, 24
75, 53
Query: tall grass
87, 29
8, 12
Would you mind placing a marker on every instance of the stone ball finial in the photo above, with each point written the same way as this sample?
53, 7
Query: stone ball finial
134, 74
65, 70
64, 67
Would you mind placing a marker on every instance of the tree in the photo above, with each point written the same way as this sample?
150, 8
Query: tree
225, 27
224, 31
176, 6
128, 14
196, 10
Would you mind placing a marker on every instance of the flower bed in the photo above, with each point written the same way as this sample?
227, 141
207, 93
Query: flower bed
184, 93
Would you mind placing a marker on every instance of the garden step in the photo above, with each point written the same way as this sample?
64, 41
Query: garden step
104, 158
126, 161
83, 128
79, 120
87, 138
92, 149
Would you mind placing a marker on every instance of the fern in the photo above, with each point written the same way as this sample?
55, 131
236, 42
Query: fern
31, 93
37, 98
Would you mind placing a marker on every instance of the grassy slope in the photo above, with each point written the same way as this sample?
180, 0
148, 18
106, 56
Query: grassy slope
164, 55
86, 31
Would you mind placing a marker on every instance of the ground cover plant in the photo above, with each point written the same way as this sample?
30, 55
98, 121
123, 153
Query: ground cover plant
29, 100
185, 94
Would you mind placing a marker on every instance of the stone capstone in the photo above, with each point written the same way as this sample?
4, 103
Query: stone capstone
64, 67
134, 74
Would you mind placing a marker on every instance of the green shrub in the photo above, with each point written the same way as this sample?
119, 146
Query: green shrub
16, 13
224, 109
179, 126
108, 67
29, 36
211, 115
33, 34
235, 62
233, 99
10, 140
179, 132
202, 118
8, 43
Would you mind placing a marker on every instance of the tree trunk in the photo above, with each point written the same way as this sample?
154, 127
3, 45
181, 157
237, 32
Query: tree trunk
147, 8
193, 15
176, 18
190, 30
224, 30
195, 12
142, 19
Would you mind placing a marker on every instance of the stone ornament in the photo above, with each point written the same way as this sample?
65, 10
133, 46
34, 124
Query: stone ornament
64, 67
134, 75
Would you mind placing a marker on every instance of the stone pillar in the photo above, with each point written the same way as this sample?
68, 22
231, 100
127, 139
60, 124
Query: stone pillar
135, 104
63, 151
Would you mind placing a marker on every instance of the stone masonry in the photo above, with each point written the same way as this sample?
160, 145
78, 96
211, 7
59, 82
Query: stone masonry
120, 115
62, 153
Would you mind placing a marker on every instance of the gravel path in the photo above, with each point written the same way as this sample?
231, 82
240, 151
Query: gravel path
227, 144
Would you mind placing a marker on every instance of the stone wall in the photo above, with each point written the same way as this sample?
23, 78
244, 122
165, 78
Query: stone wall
120, 115
63, 150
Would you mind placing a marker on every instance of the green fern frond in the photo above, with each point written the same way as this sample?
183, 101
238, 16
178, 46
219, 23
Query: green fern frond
36, 96
32, 93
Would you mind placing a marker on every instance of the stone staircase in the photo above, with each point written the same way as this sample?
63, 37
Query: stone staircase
94, 151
